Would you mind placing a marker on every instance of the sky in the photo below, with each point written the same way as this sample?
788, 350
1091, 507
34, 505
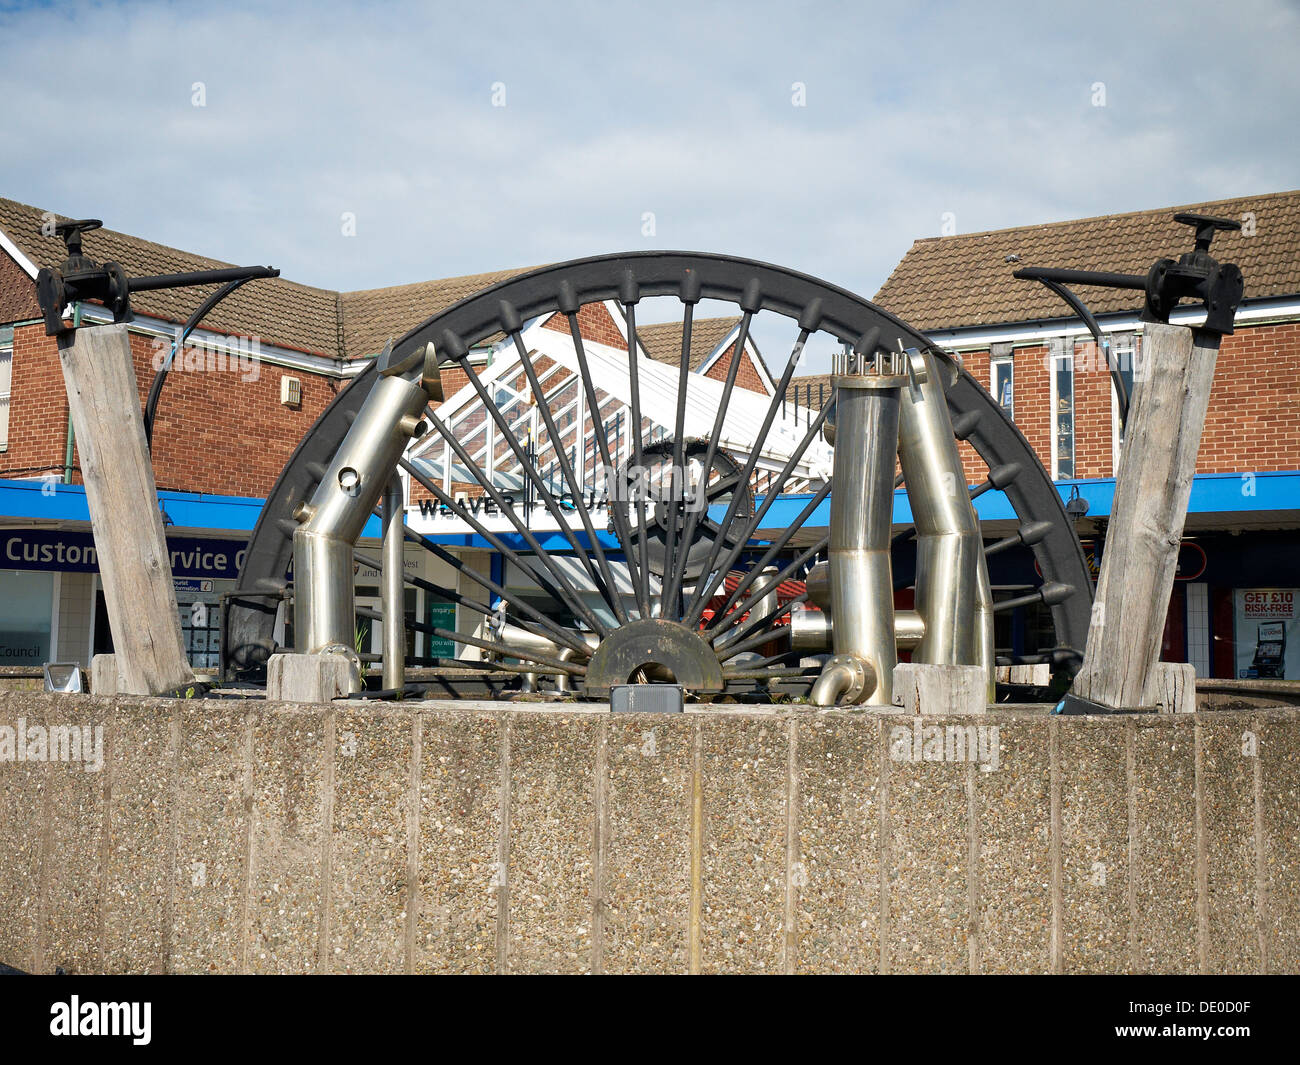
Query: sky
362, 145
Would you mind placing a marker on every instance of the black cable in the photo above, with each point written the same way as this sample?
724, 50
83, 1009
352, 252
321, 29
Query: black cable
160, 377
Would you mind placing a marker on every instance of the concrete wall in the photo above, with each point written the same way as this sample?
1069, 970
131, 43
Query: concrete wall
222, 837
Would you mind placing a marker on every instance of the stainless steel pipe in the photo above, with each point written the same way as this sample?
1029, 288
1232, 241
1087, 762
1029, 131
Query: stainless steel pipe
952, 586
512, 637
324, 614
862, 510
811, 630
393, 587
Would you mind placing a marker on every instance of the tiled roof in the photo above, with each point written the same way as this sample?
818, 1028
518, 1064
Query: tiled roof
812, 390
663, 343
372, 316
338, 324
965, 280
275, 310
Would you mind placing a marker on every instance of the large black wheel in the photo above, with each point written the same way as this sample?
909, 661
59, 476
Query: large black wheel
674, 572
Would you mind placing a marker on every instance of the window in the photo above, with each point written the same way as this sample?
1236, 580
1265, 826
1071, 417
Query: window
26, 617
6, 378
1002, 377
1126, 350
1061, 360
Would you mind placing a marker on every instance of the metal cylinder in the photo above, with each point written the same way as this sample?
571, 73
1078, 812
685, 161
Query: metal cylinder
952, 589
810, 630
514, 638
760, 602
324, 614
818, 585
393, 590
762, 593
862, 509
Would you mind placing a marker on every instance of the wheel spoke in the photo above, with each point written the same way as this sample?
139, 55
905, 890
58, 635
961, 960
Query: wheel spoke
706, 587
674, 585
731, 620
607, 585
677, 475
634, 390
744, 642
773, 407
777, 546
527, 468
621, 528
556, 583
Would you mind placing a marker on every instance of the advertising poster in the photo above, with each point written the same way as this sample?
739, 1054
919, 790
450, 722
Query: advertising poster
1267, 634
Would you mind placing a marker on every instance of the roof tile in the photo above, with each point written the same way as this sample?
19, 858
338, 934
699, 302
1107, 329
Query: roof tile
965, 280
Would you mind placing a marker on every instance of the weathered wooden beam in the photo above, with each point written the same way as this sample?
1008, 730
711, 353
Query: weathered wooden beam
931, 689
134, 565
1145, 529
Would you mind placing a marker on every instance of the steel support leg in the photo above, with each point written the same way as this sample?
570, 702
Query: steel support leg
393, 590
324, 615
952, 585
862, 508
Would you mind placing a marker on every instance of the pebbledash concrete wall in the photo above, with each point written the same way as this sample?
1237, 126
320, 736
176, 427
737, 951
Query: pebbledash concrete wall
228, 837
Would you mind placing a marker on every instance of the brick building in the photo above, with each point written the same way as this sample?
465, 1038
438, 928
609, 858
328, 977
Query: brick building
1239, 571
273, 355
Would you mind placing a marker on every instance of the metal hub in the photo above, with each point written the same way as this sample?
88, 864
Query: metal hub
650, 650
720, 483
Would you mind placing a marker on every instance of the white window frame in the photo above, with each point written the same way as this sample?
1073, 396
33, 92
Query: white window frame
1002, 355
1059, 349
6, 396
1119, 344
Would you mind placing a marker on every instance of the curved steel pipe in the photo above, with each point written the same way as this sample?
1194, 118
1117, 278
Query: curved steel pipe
952, 588
324, 612
512, 636
844, 680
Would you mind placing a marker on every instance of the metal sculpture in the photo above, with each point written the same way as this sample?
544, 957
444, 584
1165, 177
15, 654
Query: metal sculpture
680, 583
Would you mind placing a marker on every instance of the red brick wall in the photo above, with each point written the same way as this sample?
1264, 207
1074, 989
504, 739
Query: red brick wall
215, 432
1253, 422
1254, 417
747, 376
594, 323
17, 293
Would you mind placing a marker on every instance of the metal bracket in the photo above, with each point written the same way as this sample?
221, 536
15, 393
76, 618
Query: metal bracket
1196, 275
1077, 706
80, 278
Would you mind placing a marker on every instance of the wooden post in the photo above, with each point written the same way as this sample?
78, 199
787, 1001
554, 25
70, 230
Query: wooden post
1146, 523
134, 564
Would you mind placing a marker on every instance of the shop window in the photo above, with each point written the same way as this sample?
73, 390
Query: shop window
26, 610
1061, 359
1002, 378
